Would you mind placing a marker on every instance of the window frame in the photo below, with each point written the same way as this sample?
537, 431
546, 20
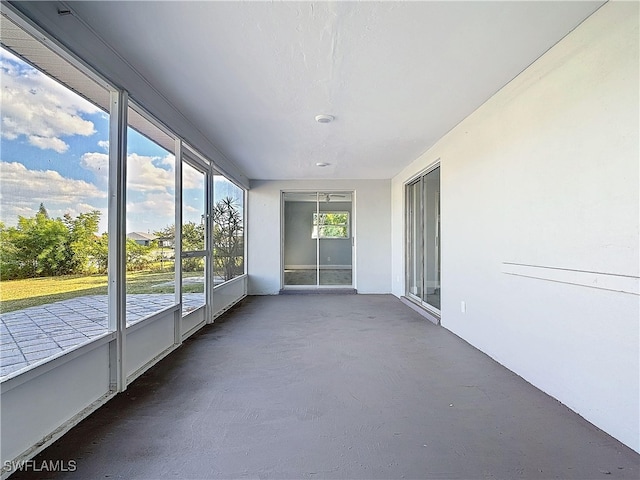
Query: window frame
316, 230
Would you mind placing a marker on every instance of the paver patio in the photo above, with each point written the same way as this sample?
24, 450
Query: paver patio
33, 334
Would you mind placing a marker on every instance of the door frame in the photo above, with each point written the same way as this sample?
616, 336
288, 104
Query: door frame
204, 167
352, 228
420, 178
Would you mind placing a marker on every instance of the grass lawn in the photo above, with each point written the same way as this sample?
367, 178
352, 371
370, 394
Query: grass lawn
32, 292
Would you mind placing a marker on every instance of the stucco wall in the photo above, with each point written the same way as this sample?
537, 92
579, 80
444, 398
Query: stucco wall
371, 220
540, 214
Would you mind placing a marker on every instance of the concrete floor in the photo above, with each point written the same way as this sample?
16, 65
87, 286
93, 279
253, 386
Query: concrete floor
334, 386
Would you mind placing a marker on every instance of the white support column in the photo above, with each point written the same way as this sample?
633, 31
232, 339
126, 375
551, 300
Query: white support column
117, 238
177, 242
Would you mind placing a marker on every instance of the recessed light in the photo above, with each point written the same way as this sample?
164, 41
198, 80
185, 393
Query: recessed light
324, 118
322, 164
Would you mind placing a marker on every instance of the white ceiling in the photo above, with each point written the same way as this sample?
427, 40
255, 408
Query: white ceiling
251, 76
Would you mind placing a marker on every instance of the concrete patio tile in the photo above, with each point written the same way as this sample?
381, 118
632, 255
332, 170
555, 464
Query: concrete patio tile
28, 335
7, 369
26, 338
6, 356
33, 342
13, 360
25, 327
67, 335
14, 321
60, 332
64, 344
49, 329
39, 355
38, 347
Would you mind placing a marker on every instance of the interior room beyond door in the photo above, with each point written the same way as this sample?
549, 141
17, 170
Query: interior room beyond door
317, 239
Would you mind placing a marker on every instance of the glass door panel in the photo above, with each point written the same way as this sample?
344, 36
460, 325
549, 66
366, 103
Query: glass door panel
414, 240
332, 226
194, 253
423, 239
193, 273
431, 214
299, 246
317, 239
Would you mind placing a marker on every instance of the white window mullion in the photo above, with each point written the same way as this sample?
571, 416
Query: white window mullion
117, 238
177, 241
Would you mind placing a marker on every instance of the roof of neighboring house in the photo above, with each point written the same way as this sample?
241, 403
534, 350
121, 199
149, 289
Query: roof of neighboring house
141, 236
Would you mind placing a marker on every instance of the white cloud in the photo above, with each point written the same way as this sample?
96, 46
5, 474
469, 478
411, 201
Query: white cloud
48, 143
96, 162
143, 174
104, 144
191, 178
158, 204
23, 190
39, 108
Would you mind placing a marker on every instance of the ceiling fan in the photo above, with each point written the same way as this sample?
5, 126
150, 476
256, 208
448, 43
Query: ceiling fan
329, 196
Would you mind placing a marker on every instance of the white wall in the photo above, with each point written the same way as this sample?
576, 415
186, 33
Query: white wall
372, 220
546, 174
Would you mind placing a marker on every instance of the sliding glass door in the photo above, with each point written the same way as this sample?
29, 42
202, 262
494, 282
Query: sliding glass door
423, 239
317, 239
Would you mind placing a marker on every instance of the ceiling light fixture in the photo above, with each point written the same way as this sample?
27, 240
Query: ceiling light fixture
322, 164
325, 118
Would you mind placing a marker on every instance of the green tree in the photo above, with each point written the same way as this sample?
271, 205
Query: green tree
41, 246
43, 210
37, 247
99, 253
192, 239
82, 236
9, 265
228, 240
192, 236
228, 244
137, 255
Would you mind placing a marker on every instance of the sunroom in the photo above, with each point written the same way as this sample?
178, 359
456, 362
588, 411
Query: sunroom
163, 161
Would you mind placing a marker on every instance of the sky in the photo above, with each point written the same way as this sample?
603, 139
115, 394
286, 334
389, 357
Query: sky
54, 149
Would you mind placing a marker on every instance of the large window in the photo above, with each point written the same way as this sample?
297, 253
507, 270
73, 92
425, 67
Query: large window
423, 239
65, 230
150, 221
330, 225
228, 230
53, 219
